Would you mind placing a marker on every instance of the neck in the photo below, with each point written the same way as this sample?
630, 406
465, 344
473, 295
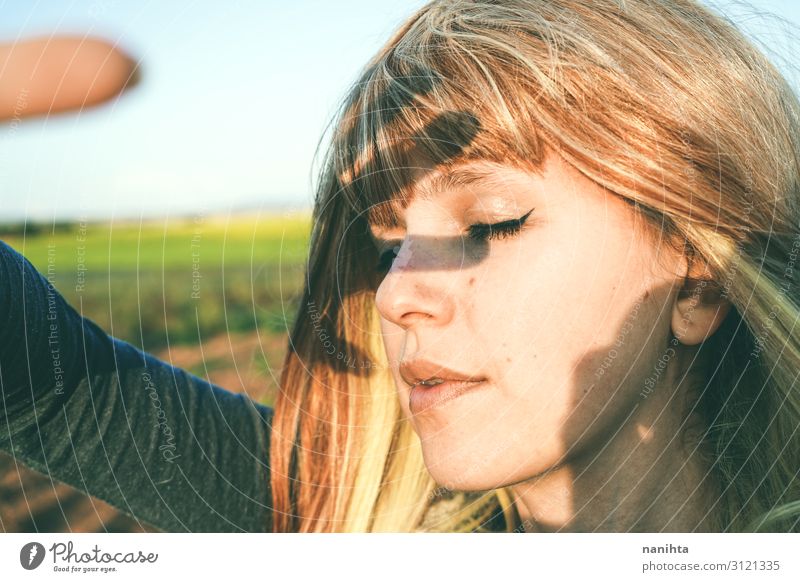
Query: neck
648, 477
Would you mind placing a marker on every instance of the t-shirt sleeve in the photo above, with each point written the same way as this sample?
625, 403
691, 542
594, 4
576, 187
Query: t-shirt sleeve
162, 445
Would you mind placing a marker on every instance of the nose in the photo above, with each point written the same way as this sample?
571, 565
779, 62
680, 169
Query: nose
419, 286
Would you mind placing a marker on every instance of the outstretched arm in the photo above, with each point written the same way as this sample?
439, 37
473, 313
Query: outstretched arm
158, 443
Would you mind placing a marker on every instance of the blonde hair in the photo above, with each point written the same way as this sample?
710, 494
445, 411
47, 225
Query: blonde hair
661, 102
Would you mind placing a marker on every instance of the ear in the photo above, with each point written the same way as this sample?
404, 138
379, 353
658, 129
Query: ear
699, 308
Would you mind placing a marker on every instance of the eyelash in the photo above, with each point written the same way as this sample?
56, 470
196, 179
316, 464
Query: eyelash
477, 232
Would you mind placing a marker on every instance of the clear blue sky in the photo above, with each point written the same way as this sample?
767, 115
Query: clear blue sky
234, 98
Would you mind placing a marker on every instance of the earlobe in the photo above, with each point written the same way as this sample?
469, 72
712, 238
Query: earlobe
698, 311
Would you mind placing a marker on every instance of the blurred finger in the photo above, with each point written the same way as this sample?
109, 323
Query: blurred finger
59, 73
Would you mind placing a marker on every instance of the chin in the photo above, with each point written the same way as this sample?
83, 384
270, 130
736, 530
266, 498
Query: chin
461, 472
484, 468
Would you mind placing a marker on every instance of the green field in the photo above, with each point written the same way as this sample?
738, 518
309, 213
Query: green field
236, 241
176, 281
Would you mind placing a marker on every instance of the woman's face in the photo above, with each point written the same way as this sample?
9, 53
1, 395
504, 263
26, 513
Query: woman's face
564, 320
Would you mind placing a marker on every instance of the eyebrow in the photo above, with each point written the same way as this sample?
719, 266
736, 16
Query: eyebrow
458, 177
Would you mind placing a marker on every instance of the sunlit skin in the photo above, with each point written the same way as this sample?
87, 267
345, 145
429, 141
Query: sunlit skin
561, 416
57, 73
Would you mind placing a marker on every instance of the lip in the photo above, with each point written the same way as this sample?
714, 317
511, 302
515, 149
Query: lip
423, 398
415, 371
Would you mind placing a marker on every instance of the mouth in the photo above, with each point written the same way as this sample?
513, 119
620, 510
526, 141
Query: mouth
425, 397
429, 373
433, 383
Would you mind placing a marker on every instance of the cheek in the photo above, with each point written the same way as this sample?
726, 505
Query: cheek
590, 363
610, 375
576, 322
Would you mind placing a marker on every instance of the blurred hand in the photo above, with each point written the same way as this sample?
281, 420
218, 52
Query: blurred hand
40, 76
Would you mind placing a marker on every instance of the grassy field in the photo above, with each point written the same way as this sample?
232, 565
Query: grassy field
170, 244
178, 282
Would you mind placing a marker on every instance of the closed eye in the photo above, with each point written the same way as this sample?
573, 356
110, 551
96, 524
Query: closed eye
498, 230
477, 232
